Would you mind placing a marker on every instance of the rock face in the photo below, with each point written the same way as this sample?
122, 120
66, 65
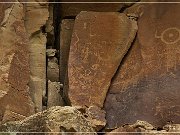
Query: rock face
36, 15
55, 119
146, 85
15, 100
99, 42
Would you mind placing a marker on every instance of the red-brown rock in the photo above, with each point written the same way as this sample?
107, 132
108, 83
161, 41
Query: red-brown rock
15, 100
99, 42
146, 86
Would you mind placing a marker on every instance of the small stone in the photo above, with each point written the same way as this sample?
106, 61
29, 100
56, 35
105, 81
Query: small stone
51, 52
53, 69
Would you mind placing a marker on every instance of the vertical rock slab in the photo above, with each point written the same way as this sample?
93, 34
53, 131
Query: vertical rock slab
146, 86
65, 41
99, 42
36, 16
15, 100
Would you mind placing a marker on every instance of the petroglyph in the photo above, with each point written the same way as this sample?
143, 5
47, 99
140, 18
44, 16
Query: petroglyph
169, 36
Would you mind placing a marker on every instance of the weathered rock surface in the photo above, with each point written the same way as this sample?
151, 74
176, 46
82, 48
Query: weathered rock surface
5, 8
15, 100
53, 69
96, 116
65, 41
54, 96
144, 128
73, 9
55, 119
99, 42
36, 15
146, 86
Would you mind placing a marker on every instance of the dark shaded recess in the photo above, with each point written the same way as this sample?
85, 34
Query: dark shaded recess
57, 19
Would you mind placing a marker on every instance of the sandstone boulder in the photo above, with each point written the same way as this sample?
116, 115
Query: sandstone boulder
56, 119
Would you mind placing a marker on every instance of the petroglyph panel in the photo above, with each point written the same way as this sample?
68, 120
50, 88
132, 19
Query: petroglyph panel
146, 86
99, 42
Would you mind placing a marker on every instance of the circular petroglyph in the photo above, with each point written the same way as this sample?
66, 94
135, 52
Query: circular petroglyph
170, 35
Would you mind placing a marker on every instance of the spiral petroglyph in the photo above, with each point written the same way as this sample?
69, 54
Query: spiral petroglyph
170, 35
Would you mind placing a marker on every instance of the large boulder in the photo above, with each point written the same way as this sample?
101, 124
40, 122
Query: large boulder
56, 119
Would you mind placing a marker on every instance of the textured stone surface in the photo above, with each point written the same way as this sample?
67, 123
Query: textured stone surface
65, 41
15, 100
36, 15
146, 86
54, 97
96, 116
144, 128
55, 119
73, 9
5, 8
53, 69
99, 42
